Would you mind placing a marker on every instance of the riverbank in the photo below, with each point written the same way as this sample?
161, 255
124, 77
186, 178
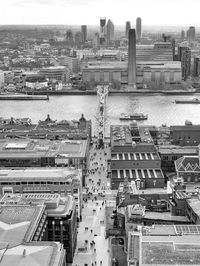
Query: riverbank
113, 92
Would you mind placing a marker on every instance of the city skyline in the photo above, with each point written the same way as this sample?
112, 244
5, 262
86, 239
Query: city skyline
74, 12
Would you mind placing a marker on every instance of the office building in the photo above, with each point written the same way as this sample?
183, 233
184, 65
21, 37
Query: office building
71, 62
24, 240
184, 55
44, 153
134, 155
110, 32
196, 70
78, 38
84, 33
1, 78
138, 29
132, 58
96, 39
102, 31
61, 181
128, 27
164, 245
182, 35
59, 218
59, 73
191, 35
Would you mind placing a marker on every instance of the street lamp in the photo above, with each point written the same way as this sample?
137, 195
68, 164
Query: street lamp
137, 184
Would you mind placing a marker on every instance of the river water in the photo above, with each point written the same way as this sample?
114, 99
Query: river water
161, 109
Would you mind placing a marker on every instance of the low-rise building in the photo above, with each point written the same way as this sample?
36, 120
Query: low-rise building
59, 219
63, 181
47, 129
152, 198
23, 237
45, 153
134, 155
185, 135
164, 245
170, 153
60, 73
188, 169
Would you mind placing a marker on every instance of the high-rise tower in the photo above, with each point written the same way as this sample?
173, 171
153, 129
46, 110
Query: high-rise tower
191, 34
132, 58
128, 26
110, 32
138, 29
102, 31
84, 33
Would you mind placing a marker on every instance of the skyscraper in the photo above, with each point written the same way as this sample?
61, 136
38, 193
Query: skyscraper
84, 33
138, 28
96, 39
182, 35
184, 55
102, 31
132, 58
128, 26
110, 32
191, 34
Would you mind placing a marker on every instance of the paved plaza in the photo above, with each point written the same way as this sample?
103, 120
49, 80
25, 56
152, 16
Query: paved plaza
92, 227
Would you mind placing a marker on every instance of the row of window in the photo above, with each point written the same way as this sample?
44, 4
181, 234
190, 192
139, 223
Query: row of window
34, 183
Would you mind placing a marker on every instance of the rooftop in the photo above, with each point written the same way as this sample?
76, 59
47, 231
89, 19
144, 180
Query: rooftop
32, 254
18, 223
187, 164
166, 245
169, 149
54, 174
42, 148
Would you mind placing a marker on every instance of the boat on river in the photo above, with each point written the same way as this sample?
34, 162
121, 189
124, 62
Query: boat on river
134, 116
193, 101
22, 97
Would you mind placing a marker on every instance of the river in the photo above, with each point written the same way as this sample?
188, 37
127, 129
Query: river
161, 109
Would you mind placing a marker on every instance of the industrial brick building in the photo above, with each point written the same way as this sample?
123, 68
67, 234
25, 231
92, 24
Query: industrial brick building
134, 155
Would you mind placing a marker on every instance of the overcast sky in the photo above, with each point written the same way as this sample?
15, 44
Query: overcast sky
77, 12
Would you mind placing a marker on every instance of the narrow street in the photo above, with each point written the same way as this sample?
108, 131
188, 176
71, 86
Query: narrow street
92, 227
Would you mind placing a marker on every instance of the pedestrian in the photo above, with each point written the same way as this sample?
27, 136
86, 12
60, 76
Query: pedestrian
95, 250
100, 262
91, 230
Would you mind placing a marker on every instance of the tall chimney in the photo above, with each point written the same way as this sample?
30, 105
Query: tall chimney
132, 58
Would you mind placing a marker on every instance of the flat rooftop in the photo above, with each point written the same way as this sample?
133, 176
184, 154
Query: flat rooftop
169, 149
27, 148
18, 223
167, 245
31, 174
32, 254
185, 128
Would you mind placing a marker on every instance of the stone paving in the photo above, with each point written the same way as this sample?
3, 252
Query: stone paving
93, 214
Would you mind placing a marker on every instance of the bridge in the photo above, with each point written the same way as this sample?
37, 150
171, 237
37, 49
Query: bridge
102, 93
